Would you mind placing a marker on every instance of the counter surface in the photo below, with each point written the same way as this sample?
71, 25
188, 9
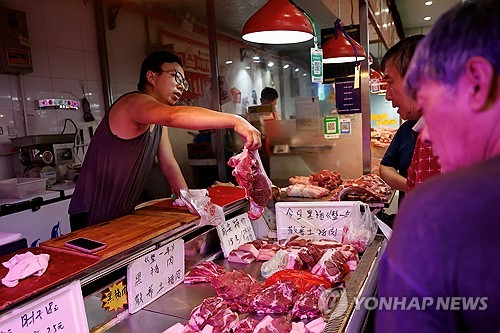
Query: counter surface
61, 267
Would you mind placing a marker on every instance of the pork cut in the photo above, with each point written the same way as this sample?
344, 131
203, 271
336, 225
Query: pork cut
238, 288
250, 175
306, 191
275, 299
269, 324
204, 272
307, 304
213, 311
332, 265
368, 188
246, 325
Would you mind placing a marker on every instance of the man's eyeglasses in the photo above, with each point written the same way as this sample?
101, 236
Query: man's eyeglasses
179, 79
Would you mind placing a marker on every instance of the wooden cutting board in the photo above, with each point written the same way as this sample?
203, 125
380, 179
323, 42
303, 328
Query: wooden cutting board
62, 266
124, 233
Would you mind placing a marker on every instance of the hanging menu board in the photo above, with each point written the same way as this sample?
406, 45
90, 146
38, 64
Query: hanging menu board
59, 311
235, 232
318, 220
155, 273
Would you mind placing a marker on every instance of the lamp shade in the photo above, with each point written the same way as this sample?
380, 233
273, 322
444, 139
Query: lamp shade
338, 49
278, 22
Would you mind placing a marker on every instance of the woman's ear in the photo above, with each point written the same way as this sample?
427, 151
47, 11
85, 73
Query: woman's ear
480, 77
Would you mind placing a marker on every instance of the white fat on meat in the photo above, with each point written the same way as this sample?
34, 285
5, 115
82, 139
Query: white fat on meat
300, 180
306, 191
299, 327
316, 326
241, 257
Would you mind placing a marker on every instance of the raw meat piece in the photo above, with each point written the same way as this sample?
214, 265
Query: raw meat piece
306, 306
246, 325
252, 177
370, 188
249, 247
275, 299
306, 191
316, 326
238, 288
327, 179
213, 311
204, 272
268, 251
241, 257
276, 325
299, 327
300, 180
332, 265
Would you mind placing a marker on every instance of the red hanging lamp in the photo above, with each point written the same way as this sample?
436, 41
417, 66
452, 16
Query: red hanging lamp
278, 22
341, 48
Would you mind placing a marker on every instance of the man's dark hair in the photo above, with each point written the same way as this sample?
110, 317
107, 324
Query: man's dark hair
268, 94
153, 63
401, 54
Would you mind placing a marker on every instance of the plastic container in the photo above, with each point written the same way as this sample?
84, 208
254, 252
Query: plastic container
22, 187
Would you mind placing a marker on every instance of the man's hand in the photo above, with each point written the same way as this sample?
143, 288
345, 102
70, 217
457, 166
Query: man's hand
250, 134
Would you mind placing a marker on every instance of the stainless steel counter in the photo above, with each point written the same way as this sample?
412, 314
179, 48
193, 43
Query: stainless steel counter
176, 305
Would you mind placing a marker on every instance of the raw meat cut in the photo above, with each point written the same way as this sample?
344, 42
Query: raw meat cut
252, 177
241, 257
276, 325
213, 311
246, 325
316, 326
306, 191
204, 272
275, 299
332, 265
368, 188
307, 305
300, 180
238, 288
327, 179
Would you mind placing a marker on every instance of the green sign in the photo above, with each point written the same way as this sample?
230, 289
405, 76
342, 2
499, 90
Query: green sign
316, 65
331, 127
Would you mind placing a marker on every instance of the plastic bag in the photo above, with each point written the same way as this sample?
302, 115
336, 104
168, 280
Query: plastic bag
361, 228
198, 202
276, 263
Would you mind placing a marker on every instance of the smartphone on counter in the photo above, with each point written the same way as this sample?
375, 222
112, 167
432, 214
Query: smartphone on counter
85, 244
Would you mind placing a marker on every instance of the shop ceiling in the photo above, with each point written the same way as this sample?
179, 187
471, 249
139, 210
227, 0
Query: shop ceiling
231, 15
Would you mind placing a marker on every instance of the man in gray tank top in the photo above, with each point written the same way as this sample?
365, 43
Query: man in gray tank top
132, 133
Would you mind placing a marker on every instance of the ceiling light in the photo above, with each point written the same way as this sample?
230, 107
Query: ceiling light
229, 62
270, 64
278, 22
377, 13
341, 48
297, 69
285, 66
256, 58
247, 67
428, 3
427, 18
305, 74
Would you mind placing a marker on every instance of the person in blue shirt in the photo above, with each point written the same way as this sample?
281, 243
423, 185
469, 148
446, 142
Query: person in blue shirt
397, 159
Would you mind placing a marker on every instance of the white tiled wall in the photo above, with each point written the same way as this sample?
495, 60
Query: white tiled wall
63, 44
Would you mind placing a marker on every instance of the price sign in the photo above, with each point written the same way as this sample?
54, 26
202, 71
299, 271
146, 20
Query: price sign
155, 273
60, 311
235, 232
318, 220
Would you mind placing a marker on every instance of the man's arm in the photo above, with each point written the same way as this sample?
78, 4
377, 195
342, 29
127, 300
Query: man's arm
144, 109
392, 178
168, 164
